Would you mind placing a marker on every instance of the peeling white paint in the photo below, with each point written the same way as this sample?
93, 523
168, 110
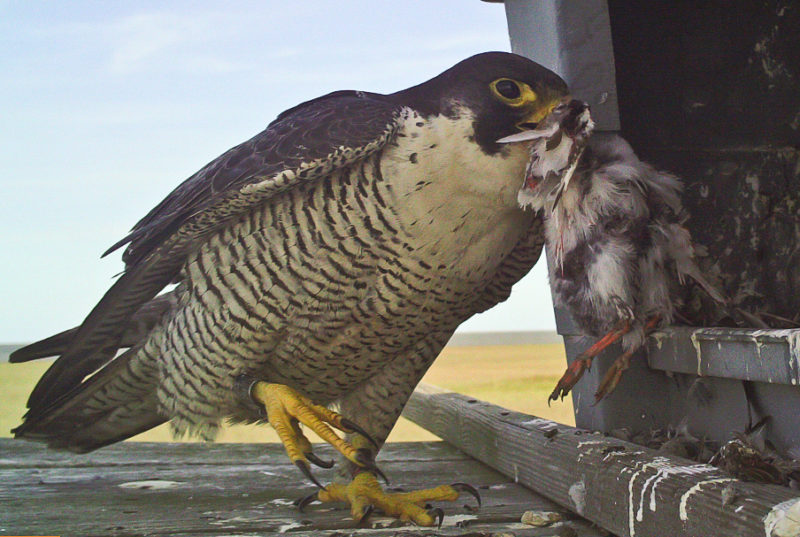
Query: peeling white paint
612, 454
577, 494
290, 526
238, 520
281, 501
153, 484
783, 520
540, 423
452, 520
696, 488
658, 338
698, 353
792, 338
593, 443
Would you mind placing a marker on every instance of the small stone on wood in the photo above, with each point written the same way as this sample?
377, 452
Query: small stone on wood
540, 518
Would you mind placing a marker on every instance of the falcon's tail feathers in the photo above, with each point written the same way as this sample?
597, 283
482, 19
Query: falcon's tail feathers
113, 398
51, 346
136, 330
117, 402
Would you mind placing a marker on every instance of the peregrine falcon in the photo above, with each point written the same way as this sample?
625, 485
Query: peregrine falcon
325, 261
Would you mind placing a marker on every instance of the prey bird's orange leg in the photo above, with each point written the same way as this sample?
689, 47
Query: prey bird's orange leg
614, 373
584, 361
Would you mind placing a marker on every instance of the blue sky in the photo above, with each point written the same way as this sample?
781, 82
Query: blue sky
107, 106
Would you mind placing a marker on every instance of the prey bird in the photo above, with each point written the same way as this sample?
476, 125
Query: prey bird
327, 260
616, 243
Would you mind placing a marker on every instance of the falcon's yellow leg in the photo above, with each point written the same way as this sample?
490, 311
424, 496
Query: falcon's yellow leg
285, 408
364, 493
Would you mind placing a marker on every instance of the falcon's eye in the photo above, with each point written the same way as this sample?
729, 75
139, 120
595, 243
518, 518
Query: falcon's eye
511, 92
507, 89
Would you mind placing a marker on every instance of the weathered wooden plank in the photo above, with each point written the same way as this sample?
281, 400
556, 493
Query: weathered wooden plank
236, 489
21, 453
624, 488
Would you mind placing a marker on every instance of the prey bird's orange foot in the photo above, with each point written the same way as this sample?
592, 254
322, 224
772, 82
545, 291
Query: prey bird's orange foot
364, 494
612, 376
286, 409
570, 378
623, 361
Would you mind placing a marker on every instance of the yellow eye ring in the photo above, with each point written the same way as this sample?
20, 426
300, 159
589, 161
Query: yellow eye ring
512, 92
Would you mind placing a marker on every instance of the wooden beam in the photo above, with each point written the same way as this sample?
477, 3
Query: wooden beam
624, 488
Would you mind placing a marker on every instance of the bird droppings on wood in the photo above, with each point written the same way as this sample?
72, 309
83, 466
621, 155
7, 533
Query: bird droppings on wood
682, 509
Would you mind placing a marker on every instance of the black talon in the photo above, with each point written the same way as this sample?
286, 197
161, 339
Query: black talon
365, 514
305, 501
437, 513
347, 424
464, 487
372, 467
364, 458
303, 465
319, 462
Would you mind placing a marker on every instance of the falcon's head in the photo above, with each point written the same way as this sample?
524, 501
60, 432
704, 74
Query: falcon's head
505, 93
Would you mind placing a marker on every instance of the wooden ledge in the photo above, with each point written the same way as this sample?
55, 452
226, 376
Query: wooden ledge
624, 488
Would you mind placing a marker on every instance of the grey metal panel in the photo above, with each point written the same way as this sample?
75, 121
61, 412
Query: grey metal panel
760, 355
644, 400
573, 38
695, 376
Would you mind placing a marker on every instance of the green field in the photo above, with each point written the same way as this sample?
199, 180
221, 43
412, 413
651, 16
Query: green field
519, 377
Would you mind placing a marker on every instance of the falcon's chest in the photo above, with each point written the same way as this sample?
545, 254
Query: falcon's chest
456, 203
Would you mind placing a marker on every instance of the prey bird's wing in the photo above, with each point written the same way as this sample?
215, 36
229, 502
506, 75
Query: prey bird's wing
303, 144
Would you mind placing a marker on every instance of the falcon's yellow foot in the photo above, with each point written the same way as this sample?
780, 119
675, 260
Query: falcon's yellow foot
364, 494
286, 409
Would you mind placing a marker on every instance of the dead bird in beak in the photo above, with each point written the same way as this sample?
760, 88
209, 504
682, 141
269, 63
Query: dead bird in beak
617, 247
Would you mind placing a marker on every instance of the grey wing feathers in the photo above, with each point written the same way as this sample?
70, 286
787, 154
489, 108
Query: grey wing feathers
304, 143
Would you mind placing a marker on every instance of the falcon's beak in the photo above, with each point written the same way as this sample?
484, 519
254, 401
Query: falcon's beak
533, 134
531, 125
